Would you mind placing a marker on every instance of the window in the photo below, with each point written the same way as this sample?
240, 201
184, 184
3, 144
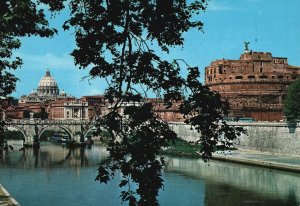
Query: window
280, 77
263, 77
251, 77
239, 77
260, 69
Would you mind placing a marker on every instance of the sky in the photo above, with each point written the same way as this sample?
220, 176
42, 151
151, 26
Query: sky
269, 25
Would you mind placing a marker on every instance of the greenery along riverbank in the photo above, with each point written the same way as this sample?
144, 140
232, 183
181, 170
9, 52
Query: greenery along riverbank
182, 148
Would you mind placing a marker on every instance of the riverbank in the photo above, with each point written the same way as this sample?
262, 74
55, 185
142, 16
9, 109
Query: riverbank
186, 149
6, 199
268, 160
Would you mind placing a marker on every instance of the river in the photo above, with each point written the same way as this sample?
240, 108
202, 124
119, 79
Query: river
57, 176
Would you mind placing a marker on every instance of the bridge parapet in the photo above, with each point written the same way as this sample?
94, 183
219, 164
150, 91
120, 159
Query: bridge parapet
49, 122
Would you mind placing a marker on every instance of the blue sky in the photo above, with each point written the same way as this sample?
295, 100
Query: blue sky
270, 25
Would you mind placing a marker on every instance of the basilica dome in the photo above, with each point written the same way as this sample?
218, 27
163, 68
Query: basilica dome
47, 90
47, 85
47, 81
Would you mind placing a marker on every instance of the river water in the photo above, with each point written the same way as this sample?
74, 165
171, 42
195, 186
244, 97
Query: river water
57, 176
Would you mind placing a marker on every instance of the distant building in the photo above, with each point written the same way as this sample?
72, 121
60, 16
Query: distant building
65, 109
47, 90
171, 114
17, 112
96, 106
39, 100
255, 85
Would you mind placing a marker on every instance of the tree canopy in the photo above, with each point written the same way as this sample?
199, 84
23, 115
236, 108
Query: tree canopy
115, 39
292, 102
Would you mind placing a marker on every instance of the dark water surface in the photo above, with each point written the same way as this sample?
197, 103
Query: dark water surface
57, 176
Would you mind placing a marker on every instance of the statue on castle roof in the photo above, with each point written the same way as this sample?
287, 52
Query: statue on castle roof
246, 46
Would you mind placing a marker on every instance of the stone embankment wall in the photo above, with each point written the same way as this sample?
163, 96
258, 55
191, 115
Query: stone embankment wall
261, 136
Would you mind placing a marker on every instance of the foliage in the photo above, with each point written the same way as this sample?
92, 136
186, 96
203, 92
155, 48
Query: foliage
114, 39
183, 148
135, 155
292, 102
17, 19
42, 115
204, 110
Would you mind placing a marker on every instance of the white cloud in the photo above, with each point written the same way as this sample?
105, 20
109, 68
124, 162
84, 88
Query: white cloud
48, 60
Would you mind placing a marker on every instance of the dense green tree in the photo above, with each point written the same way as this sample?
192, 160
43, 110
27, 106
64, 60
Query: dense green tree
292, 102
115, 39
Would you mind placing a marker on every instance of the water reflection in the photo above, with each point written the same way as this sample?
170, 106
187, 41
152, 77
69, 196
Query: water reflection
48, 172
234, 184
51, 155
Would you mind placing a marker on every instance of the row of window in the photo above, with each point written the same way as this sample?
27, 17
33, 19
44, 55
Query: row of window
252, 77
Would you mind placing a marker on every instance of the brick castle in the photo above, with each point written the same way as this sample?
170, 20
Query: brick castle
255, 85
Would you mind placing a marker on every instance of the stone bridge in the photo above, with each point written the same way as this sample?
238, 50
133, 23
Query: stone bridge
76, 129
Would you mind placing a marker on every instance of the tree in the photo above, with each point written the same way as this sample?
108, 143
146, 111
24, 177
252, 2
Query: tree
17, 19
292, 102
42, 114
114, 38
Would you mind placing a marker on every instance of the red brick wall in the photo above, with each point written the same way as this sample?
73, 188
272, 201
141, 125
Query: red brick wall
57, 113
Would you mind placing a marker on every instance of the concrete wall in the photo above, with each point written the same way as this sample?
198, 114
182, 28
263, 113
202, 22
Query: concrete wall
261, 136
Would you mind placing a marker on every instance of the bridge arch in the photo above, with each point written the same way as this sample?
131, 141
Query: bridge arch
60, 126
90, 128
19, 129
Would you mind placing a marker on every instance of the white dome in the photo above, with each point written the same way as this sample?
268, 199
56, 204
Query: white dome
47, 81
